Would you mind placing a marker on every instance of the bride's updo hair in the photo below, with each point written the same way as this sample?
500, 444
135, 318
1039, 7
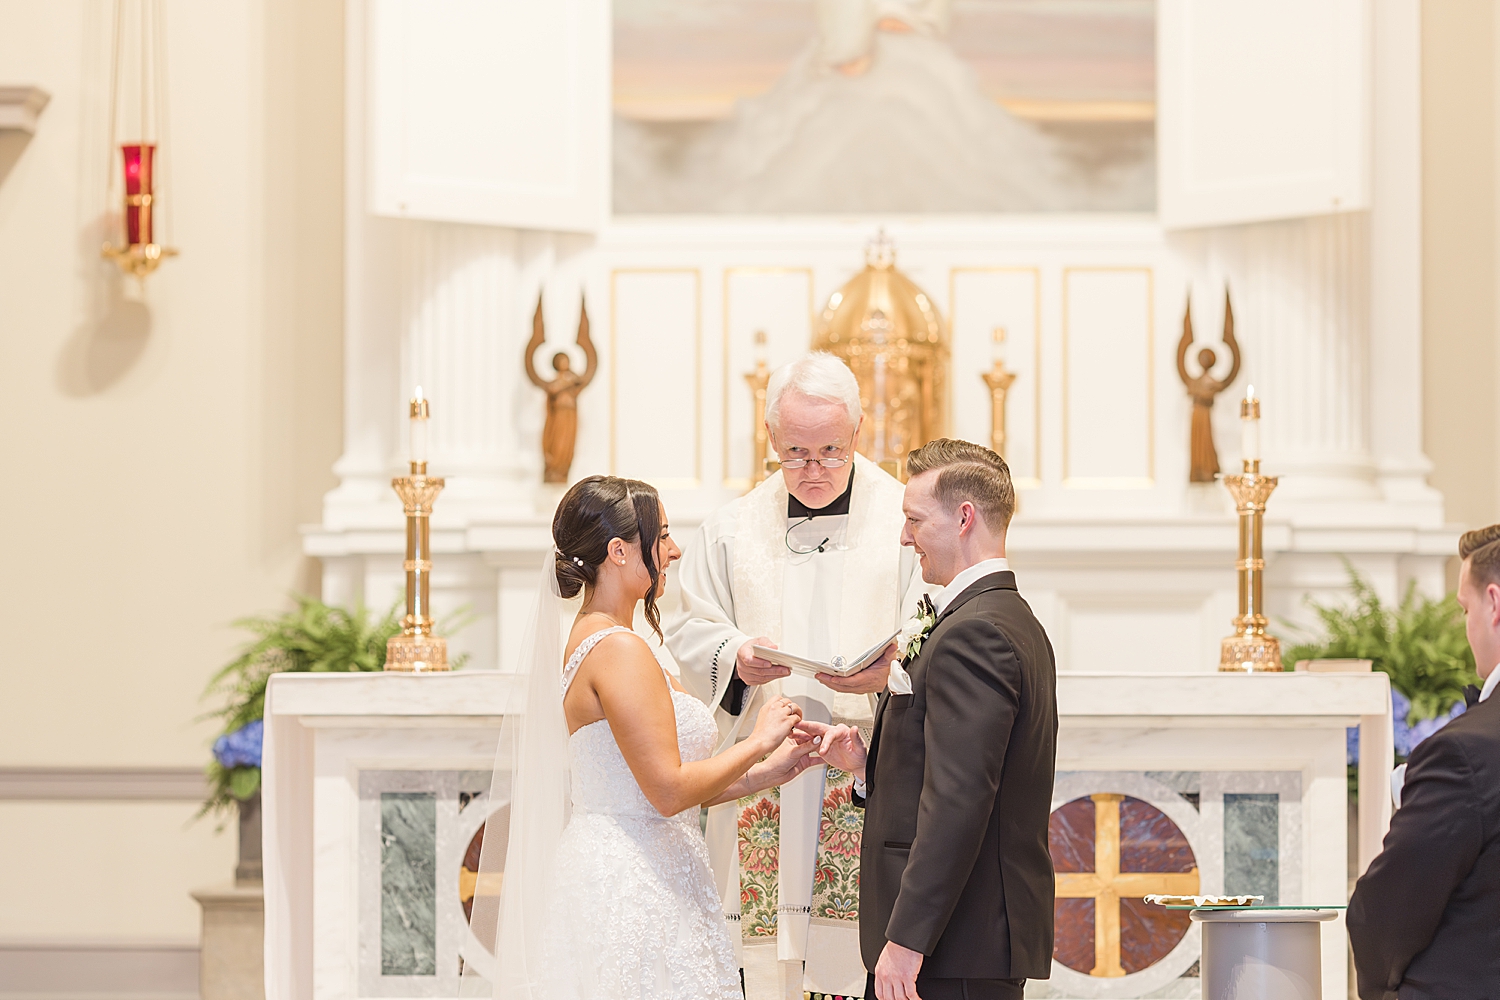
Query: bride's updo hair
594, 511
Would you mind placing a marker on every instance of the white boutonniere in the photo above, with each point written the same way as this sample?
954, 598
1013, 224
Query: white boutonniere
917, 628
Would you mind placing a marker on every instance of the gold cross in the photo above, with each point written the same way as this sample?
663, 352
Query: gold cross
1106, 884
471, 884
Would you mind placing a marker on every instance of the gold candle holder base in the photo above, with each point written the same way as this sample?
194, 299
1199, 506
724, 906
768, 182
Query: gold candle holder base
1250, 654
1250, 650
416, 650
139, 259
416, 653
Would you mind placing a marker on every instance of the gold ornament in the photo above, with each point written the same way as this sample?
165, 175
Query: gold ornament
416, 649
1249, 649
892, 337
758, 380
998, 379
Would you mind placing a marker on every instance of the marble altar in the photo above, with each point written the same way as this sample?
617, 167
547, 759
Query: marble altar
375, 785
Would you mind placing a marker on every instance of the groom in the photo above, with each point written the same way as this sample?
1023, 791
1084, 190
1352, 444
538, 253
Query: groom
956, 886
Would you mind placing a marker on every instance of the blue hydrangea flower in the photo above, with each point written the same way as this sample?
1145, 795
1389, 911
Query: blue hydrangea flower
1406, 736
240, 748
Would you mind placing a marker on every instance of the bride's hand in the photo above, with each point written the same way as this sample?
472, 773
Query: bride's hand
775, 723
785, 763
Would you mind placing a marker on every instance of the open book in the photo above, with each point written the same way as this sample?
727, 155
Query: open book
839, 666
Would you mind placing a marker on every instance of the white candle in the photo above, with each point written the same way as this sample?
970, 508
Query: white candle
418, 429
760, 347
997, 345
1250, 426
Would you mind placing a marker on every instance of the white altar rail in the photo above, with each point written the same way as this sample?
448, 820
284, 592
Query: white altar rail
335, 742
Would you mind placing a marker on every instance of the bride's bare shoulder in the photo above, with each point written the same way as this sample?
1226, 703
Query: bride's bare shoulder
618, 650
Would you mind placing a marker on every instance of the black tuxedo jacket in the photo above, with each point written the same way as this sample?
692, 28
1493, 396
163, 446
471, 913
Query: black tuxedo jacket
954, 862
1425, 919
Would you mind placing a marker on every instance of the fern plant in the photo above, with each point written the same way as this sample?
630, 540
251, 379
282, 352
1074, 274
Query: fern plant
312, 637
1420, 644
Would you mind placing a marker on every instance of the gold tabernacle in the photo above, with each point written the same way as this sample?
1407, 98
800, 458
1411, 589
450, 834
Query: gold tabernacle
416, 649
892, 337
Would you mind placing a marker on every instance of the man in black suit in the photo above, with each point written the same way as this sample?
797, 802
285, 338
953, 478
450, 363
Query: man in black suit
956, 883
1425, 919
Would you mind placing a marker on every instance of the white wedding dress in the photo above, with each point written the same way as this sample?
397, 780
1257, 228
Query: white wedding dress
633, 913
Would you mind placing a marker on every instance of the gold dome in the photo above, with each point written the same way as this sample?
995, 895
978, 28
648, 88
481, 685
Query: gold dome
886, 329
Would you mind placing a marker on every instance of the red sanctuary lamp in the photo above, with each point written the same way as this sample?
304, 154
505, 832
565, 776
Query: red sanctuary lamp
140, 255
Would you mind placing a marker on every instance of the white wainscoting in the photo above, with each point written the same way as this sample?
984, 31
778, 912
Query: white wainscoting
1108, 404
1079, 302
982, 300
778, 300
656, 376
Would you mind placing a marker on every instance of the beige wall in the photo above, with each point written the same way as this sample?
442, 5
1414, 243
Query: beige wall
1461, 349
162, 452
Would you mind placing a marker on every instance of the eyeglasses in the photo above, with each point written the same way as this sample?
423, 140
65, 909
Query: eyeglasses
802, 463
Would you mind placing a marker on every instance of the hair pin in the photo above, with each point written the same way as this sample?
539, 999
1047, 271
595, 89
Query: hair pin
573, 559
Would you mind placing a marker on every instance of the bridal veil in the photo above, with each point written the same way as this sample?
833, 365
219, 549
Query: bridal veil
531, 769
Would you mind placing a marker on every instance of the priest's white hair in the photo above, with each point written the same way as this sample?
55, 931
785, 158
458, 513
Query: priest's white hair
818, 375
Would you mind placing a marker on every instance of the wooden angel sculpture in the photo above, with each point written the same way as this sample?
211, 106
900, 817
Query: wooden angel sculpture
1203, 388
560, 431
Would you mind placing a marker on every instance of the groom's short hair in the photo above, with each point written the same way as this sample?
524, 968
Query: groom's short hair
1481, 549
971, 472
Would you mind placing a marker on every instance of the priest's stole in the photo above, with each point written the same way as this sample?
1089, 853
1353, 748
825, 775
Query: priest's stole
835, 893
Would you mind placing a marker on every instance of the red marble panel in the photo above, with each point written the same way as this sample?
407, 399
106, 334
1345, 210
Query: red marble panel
1070, 836
1150, 842
1148, 933
1073, 934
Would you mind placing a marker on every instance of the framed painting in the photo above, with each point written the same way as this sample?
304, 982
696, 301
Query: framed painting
864, 106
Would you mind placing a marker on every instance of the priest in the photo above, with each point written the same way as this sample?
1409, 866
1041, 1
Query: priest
810, 561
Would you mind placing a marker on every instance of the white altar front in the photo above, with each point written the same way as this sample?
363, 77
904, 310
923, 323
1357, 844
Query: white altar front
376, 783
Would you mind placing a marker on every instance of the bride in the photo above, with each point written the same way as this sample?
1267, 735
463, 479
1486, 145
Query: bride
619, 903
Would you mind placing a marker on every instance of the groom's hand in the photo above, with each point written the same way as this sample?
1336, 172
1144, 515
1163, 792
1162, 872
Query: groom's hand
896, 973
752, 669
841, 746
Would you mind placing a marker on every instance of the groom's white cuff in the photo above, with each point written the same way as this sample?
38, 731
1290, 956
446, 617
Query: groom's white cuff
859, 787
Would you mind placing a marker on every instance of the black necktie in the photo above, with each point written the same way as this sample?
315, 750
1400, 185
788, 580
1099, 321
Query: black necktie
1471, 696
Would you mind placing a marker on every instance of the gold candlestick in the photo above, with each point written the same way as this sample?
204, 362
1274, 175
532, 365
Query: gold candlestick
999, 379
416, 649
757, 380
1249, 649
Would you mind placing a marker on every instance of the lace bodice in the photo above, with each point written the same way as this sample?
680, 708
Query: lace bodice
602, 781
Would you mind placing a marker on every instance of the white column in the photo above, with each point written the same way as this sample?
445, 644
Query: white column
1301, 298
371, 331
461, 308
1396, 263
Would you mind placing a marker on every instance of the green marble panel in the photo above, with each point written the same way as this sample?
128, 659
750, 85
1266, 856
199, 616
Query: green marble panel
1252, 845
408, 884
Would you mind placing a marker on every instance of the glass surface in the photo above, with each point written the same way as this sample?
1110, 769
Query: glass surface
1284, 906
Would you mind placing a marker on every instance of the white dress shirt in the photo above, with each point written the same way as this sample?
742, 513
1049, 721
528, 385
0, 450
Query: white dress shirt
1489, 684
961, 581
1398, 776
964, 579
